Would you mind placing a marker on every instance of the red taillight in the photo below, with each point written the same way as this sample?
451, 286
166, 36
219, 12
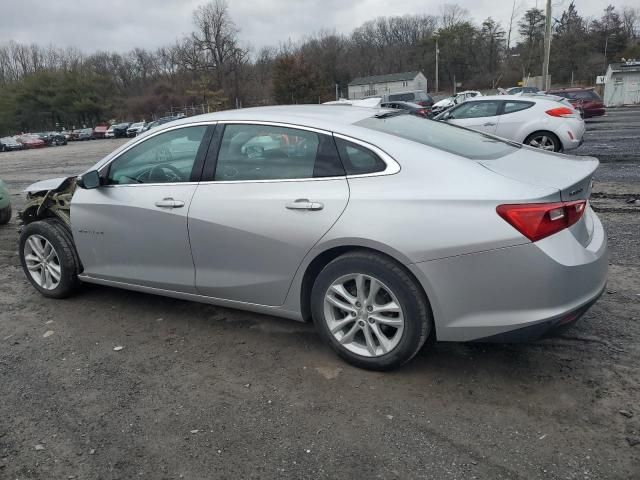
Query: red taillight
561, 112
539, 220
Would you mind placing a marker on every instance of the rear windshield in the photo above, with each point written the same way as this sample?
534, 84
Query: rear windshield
401, 97
423, 97
579, 95
450, 138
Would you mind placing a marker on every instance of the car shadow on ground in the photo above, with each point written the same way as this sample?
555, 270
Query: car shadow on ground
436, 362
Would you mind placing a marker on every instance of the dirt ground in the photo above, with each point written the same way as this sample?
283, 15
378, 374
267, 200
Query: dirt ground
200, 392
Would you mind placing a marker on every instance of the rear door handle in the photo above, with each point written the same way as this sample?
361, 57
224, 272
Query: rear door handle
304, 204
489, 124
169, 203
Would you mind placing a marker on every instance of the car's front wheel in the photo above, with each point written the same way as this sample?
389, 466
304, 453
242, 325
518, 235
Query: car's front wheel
370, 310
48, 258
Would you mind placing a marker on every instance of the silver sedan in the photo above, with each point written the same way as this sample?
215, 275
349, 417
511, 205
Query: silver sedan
382, 228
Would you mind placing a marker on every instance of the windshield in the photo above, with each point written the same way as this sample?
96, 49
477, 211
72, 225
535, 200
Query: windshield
450, 138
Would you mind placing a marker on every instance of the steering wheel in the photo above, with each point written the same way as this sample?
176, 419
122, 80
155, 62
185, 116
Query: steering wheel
163, 173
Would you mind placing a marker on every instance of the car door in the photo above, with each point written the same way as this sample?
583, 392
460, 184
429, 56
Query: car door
515, 114
133, 228
480, 115
262, 209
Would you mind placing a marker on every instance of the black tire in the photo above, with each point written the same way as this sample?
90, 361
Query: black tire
414, 303
5, 215
60, 238
557, 144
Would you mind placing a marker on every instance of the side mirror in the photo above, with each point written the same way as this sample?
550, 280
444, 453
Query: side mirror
89, 180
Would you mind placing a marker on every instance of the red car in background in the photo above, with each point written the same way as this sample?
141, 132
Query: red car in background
585, 99
100, 131
31, 141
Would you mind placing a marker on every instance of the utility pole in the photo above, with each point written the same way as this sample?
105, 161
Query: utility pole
437, 55
337, 93
547, 48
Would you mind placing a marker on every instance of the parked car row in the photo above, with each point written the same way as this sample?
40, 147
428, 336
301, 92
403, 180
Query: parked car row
32, 140
585, 100
45, 139
551, 120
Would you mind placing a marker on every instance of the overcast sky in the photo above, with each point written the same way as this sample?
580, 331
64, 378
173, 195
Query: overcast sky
124, 24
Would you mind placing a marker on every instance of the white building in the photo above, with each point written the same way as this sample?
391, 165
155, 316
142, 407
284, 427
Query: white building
622, 84
382, 84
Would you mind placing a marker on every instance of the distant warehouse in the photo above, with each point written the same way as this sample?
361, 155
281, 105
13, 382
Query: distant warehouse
381, 84
622, 84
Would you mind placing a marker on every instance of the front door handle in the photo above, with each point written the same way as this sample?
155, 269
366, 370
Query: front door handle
489, 124
304, 204
169, 203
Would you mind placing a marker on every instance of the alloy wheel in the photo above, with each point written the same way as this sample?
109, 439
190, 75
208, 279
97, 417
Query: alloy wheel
42, 262
364, 315
544, 142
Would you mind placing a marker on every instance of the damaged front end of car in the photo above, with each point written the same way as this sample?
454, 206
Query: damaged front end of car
49, 199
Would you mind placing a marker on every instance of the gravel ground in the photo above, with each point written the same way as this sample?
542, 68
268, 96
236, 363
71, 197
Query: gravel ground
204, 392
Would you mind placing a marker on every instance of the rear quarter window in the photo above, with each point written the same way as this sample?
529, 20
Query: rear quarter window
358, 160
512, 107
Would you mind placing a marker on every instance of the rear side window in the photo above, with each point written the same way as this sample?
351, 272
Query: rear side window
358, 160
265, 152
449, 138
511, 107
487, 108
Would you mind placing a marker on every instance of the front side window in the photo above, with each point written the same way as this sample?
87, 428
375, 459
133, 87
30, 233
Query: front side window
476, 110
265, 152
165, 158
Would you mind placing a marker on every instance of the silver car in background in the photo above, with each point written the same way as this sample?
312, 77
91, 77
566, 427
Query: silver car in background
380, 227
541, 121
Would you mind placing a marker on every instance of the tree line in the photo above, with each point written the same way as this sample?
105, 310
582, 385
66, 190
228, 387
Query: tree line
45, 87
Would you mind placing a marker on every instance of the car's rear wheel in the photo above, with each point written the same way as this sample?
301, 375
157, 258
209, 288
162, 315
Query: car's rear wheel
370, 310
5, 215
544, 141
48, 258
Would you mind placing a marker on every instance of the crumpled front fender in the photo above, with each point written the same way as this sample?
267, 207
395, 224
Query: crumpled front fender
49, 198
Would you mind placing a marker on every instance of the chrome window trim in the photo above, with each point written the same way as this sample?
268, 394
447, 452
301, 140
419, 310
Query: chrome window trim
392, 167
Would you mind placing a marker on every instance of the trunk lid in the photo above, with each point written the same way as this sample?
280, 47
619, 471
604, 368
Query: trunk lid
570, 174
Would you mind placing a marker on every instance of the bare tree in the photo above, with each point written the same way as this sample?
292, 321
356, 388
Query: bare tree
216, 36
631, 22
452, 15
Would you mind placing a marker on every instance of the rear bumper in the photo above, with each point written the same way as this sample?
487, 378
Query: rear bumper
574, 139
548, 328
531, 287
